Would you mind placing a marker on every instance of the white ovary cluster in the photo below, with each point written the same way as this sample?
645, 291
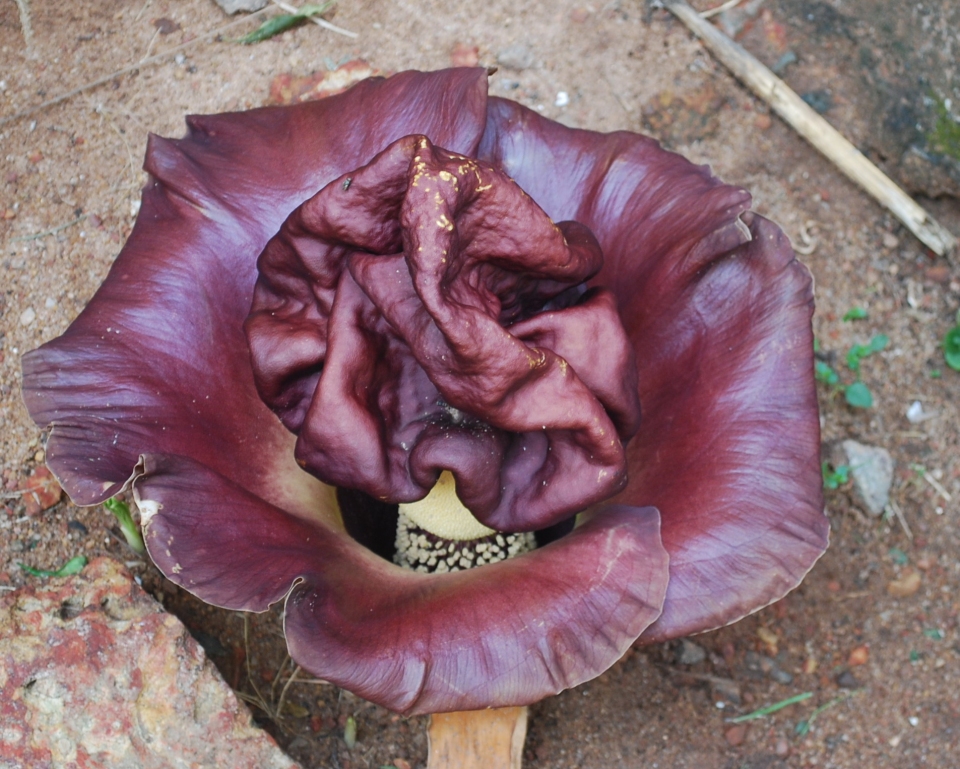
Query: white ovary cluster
438, 534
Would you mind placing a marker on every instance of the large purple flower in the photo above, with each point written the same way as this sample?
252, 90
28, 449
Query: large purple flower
448, 282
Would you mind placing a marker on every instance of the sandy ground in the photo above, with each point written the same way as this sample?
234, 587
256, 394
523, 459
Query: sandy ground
884, 667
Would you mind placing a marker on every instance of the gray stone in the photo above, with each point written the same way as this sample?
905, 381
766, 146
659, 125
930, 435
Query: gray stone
237, 6
93, 672
517, 56
871, 469
898, 82
689, 653
725, 689
781, 676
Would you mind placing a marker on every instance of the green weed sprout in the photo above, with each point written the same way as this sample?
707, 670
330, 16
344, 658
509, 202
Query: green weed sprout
129, 527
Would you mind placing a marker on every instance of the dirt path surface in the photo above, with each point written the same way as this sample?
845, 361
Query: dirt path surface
872, 635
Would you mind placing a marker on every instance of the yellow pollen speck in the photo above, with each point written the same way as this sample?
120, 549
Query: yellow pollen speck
446, 176
444, 223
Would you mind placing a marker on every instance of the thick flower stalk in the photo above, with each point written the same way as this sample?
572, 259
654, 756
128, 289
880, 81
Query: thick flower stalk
454, 294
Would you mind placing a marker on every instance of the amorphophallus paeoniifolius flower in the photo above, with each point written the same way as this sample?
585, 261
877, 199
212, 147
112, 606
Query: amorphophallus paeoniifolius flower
453, 292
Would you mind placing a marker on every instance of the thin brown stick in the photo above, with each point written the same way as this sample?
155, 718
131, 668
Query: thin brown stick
898, 511
717, 10
316, 20
283, 691
812, 127
25, 25
35, 236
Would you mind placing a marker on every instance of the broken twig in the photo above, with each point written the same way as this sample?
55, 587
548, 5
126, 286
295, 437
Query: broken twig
716, 11
316, 20
902, 519
805, 121
51, 231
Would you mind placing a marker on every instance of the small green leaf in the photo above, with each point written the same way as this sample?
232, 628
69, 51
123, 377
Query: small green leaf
860, 351
857, 353
879, 342
282, 23
761, 712
915, 656
272, 27
951, 348
131, 532
803, 726
934, 632
296, 710
824, 373
899, 557
935, 373
834, 479
73, 566
350, 732
856, 313
858, 395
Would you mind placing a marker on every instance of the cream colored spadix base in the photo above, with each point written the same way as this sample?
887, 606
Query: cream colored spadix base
477, 739
443, 514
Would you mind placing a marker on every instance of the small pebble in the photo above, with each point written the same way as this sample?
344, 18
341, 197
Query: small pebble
769, 639
890, 240
727, 689
906, 586
735, 735
783, 748
78, 527
781, 676
463, 55
859, 656
28, 316
916, 414
871, 468
846, 680
689, 653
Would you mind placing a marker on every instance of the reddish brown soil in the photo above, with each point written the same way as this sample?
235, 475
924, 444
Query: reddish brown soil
885, 666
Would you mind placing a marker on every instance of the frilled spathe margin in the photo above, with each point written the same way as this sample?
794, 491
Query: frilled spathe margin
717, 314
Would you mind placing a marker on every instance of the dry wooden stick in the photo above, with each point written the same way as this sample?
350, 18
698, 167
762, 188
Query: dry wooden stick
25, 25
788, 105
315, 19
